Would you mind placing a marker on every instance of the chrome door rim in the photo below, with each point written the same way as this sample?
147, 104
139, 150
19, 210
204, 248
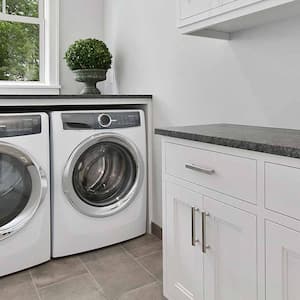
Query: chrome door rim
112, 209
38, 193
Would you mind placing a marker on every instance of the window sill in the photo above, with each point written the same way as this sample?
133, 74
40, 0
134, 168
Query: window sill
28, 89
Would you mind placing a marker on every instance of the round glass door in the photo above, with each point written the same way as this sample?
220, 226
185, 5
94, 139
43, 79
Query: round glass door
15, 188
22, 187
103, 175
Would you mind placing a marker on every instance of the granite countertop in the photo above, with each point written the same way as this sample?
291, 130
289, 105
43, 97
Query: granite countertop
69, 96
278, 141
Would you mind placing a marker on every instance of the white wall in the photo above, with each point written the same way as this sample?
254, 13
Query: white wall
253, 79
78, 19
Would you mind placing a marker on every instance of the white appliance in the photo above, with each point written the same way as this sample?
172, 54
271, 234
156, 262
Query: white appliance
99, 189
24, 194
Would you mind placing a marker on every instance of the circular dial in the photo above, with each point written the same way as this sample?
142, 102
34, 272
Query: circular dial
104, 120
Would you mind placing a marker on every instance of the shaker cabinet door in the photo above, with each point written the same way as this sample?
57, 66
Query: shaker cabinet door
183, 277
282, 263
230, 258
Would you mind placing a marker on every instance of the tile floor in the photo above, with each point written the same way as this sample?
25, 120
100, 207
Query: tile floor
127, 271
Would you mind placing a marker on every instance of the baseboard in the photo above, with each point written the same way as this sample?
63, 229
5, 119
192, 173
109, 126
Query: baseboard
156, 230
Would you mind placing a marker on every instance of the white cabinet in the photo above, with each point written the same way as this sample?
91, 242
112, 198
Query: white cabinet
282, 263
220, 18
231, 223
230, 261
190, 8
206, 243
183, 260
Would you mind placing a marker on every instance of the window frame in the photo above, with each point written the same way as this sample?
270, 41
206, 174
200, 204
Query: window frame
48, 21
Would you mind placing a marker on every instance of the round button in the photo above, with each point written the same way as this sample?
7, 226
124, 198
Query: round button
104, 120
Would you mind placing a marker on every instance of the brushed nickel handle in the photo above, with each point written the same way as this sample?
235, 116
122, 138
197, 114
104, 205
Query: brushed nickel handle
194, 240
200, 169
204, 245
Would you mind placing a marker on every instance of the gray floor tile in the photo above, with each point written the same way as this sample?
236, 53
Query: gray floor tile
117, 272
144, 245
57, 270
17, 287
149, 292
153, 263
81, 287
104, 252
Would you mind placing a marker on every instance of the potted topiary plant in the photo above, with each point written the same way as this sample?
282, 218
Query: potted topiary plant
89, 59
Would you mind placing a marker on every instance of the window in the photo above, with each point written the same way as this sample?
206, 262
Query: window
28, 45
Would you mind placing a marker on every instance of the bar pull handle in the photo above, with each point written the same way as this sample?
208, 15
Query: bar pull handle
200, 169
204, 244
194, 240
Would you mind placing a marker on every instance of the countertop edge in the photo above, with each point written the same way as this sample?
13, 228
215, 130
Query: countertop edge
135, 96
232, 143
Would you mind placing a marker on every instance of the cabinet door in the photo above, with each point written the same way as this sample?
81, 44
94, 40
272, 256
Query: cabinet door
183, 277
189, 8
282, 263
230, 261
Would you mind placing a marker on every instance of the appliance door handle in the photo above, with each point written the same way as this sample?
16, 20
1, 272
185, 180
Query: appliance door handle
204, 245
200, 169
194, 240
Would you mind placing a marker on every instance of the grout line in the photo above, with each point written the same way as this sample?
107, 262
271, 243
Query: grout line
61, 281
100, 288
34, 285
141, 287
140, 264
151, 253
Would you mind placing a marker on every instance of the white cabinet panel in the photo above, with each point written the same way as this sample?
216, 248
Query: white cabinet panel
231, 175
189, 8
220, 18
230, 262
282, 263
282, 192
184, 262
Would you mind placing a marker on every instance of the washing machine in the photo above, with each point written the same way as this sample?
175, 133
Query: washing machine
24, 194
99, 190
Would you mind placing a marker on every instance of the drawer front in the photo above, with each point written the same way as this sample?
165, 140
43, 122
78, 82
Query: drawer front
228, 174
282, 189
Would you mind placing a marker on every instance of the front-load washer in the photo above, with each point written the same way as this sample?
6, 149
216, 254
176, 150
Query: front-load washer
99, 190
24, 194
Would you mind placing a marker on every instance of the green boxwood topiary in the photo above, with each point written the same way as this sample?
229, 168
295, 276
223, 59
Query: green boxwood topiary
88, 54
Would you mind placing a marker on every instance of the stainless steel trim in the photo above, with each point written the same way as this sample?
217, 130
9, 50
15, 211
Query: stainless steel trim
38, 193
67, 179
105, 125
200, 169
204, 242
194, 240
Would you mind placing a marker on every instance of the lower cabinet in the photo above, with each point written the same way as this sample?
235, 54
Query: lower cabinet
209, 248
230, 261
183, 277
282, 263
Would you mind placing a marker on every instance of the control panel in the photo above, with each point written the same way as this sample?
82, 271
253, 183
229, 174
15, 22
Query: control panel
101, 120
19, 125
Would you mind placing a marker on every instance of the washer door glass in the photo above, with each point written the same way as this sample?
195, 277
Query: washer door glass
15, 188
104, 174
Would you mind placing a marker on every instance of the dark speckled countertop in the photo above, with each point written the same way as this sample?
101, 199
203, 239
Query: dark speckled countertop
278, 141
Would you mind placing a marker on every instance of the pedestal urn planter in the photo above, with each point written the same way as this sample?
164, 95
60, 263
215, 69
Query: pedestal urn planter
90, 77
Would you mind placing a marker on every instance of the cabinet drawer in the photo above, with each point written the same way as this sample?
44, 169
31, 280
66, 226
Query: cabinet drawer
228, 174
282, 189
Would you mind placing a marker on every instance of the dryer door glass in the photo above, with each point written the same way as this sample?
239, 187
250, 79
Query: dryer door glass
15, 188
104, 174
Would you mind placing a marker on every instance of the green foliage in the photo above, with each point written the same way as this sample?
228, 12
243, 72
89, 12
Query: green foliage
19, 44
29, 8
88, 54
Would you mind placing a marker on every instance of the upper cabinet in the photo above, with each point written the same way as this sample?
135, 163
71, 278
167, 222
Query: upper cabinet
220, 18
